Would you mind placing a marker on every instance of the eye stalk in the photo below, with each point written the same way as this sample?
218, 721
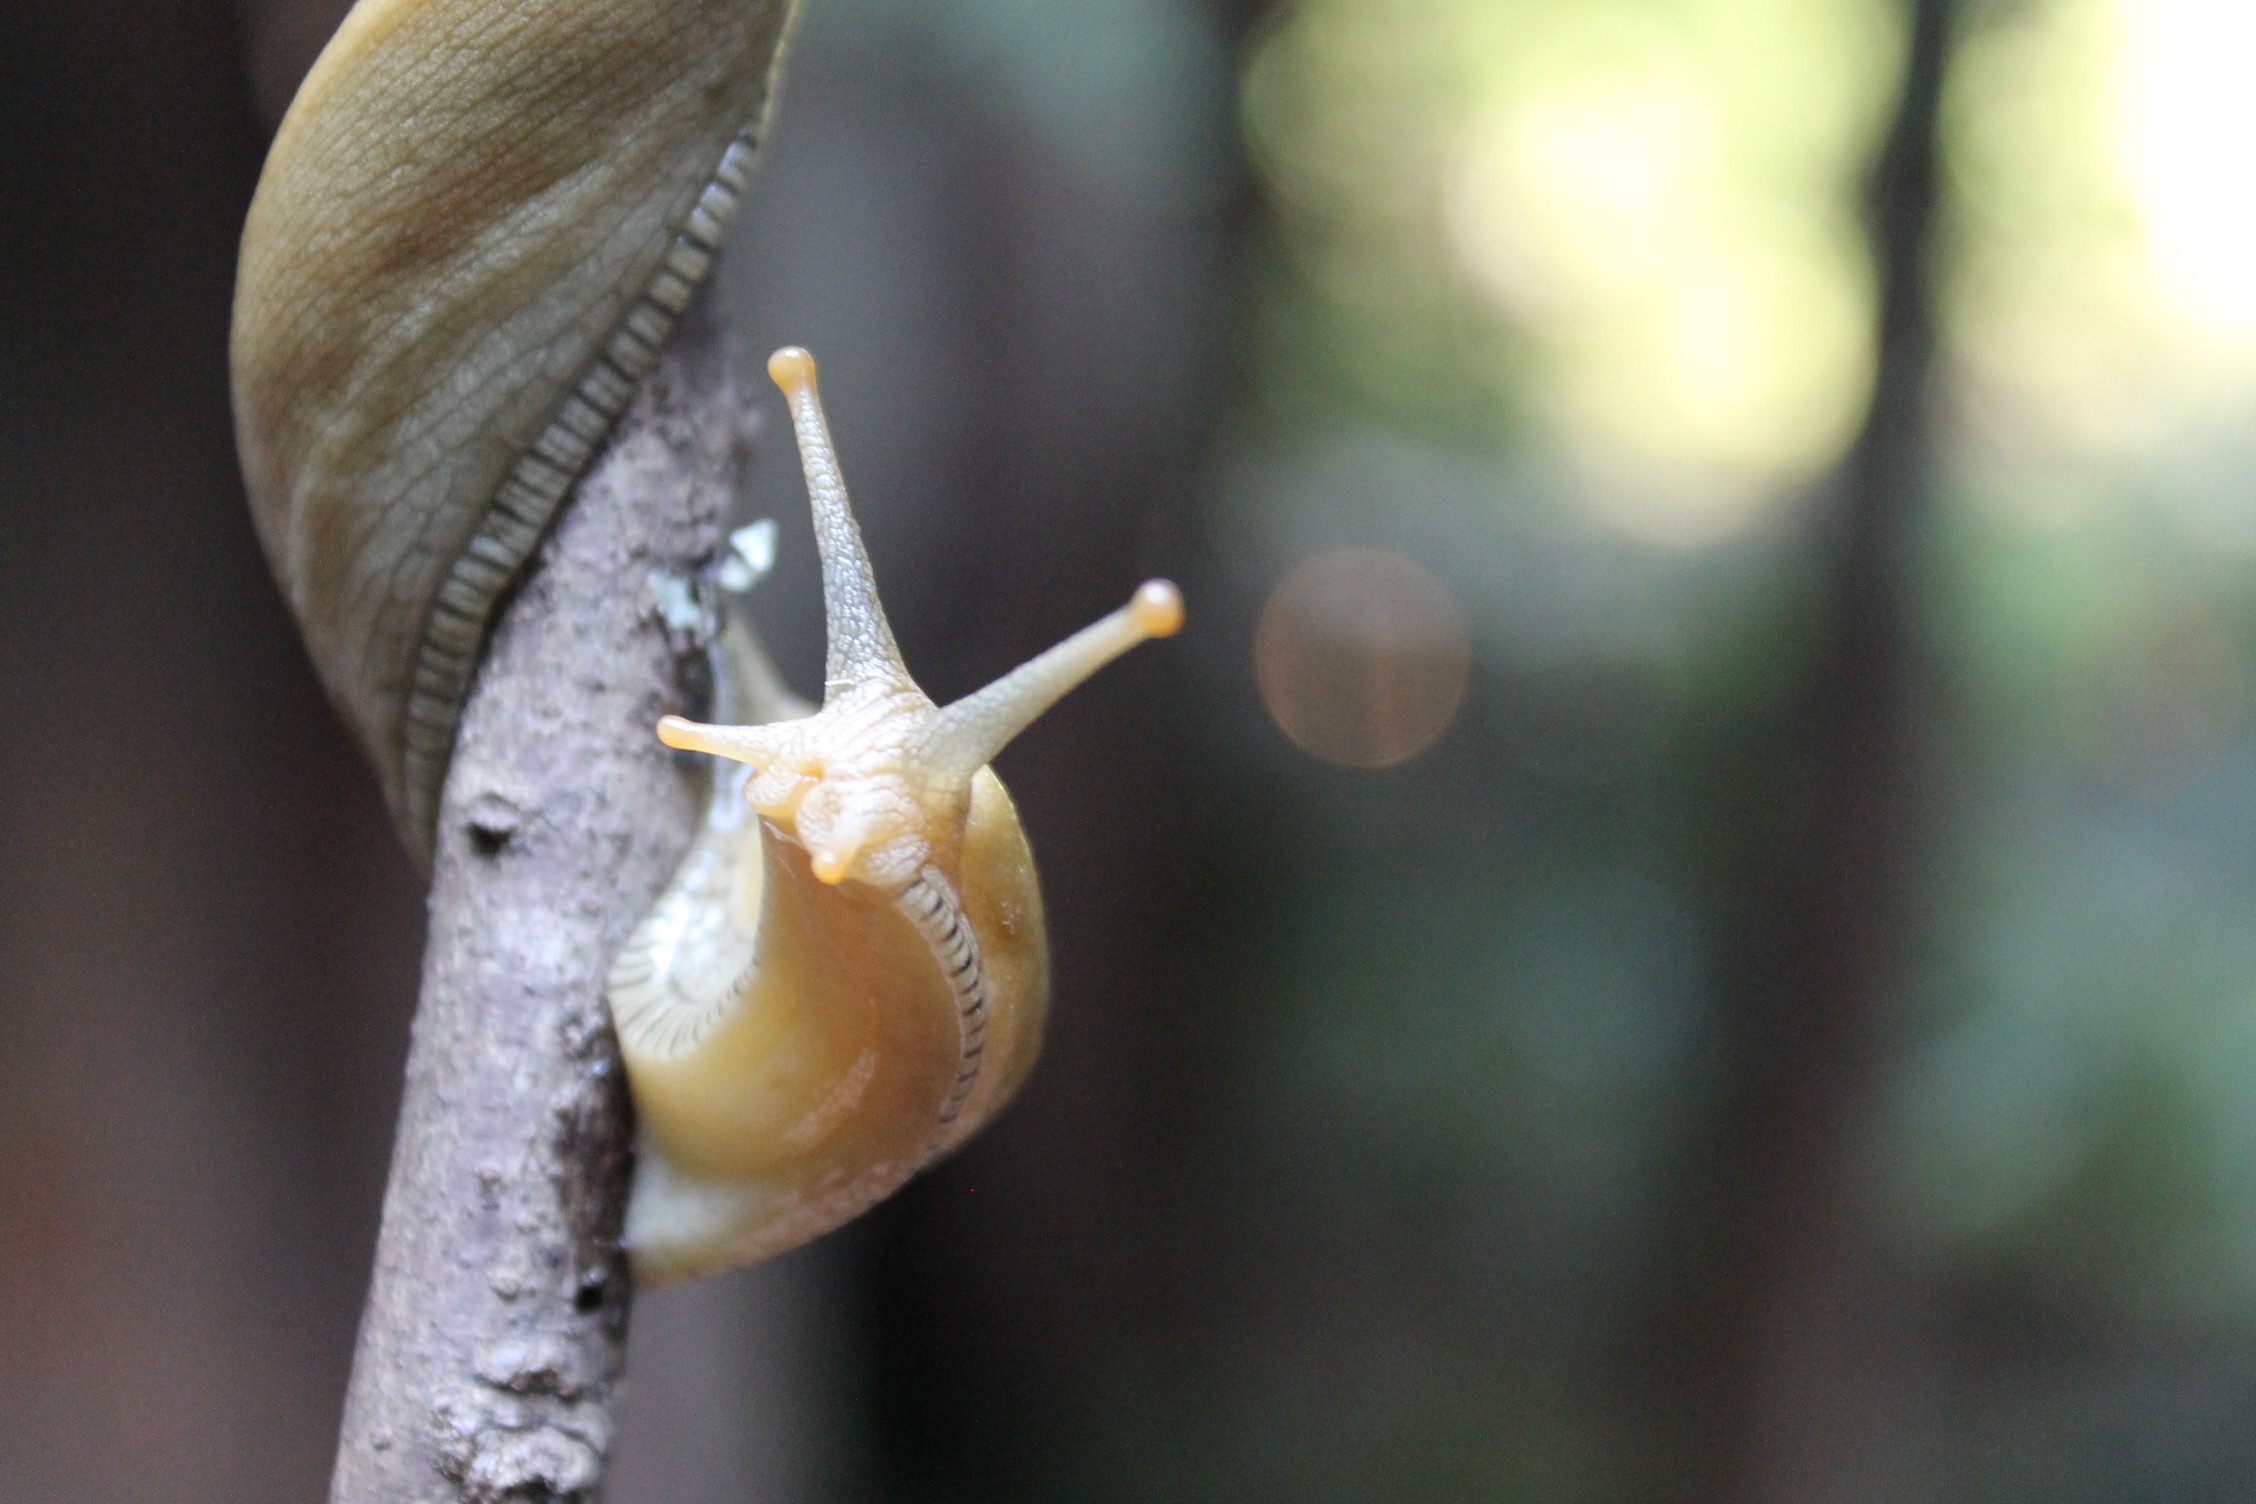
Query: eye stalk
877, 784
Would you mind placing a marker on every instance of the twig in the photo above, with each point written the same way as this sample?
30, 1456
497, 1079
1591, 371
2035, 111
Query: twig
492, 1345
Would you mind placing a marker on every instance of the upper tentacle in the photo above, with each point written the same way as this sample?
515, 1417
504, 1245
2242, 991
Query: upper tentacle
861, 641
965, 736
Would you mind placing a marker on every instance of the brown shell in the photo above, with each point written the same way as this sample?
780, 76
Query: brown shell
479, 222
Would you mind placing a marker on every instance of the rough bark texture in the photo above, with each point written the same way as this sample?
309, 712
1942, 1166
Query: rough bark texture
494, 1337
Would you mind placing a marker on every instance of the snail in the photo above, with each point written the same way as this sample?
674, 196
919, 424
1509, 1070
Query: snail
479, 221
848, 974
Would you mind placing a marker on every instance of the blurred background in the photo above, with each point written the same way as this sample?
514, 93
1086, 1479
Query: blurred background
1680, 926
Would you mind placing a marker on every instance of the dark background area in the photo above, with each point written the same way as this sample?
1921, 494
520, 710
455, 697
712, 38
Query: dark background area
1787, 1039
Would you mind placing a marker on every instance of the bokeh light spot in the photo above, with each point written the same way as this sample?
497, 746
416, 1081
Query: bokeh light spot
2100, 306
1362, 657
2186, 119
1629, 230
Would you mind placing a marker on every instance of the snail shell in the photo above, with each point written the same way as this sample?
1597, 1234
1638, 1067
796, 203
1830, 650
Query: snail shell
479, 222
848, 973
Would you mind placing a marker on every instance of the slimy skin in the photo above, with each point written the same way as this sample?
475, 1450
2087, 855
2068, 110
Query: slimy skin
849, 973
478, 224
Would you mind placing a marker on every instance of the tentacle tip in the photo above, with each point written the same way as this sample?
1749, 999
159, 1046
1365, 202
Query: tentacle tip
1156, 609
791, 368
829, 867
681, 732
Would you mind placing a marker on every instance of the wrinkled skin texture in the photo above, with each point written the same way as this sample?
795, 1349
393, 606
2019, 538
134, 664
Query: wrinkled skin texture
465, 201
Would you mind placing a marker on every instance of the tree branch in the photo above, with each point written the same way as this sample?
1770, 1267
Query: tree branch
494, 1337
1782, 1360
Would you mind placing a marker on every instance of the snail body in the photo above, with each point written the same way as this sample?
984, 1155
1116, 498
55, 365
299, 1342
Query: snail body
478, 224
848, 975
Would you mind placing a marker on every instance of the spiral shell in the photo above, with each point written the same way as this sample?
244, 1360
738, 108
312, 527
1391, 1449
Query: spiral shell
479, 223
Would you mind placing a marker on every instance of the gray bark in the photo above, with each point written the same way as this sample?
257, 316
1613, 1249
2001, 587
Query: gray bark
493, 1343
